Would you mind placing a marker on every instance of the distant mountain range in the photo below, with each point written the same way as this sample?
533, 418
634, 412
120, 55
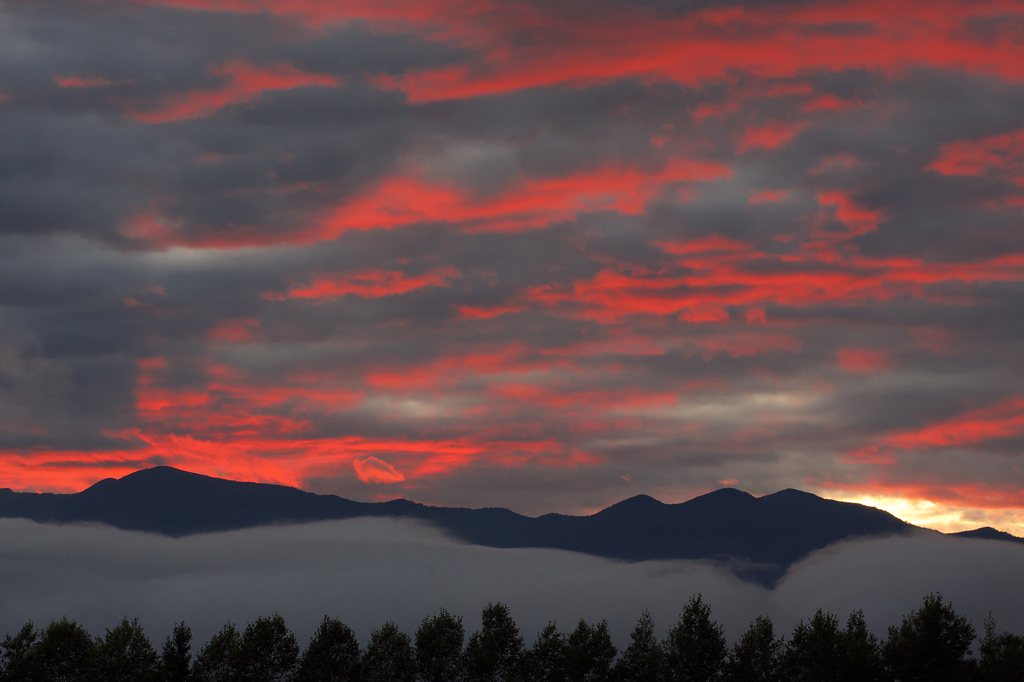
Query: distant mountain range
759, 538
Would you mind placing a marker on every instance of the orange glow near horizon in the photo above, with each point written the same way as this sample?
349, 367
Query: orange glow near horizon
941, 516
920, 509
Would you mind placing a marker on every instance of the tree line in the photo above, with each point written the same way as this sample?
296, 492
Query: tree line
933, 644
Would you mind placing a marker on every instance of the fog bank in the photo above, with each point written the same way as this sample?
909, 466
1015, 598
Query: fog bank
366, 571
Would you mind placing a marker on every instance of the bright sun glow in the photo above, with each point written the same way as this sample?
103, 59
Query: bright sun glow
941, 517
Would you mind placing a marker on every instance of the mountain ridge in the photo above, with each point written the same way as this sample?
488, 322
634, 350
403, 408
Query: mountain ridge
758, 538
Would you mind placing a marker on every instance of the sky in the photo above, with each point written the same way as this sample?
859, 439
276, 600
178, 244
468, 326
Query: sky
537, 254
367, 571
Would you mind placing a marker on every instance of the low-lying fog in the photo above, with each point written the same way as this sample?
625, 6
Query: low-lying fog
366, 571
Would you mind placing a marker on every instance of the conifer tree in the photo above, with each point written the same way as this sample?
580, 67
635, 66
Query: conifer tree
695, 647
493, 654
644, 659
589, 653
933, 644
1002, 655
16, 652
863, 661
439, 640
816, 651
125, 654
389, 656
216, 660
65, 652
267, 651
332, 654
176, 657
545, 661
757, 656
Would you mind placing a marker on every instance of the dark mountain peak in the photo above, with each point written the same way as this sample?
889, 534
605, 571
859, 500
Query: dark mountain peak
155, 478
725, 494
640, 499
102, 485
791, 494
401, 507
638, 504
987, 533
162, 472
721, 500
769, 533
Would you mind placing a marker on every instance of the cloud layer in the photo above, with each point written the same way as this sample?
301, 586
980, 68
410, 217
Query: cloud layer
520, 253
367, 571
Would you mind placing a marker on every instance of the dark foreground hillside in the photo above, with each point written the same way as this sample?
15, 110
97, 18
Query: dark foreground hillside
933, 643
759, 538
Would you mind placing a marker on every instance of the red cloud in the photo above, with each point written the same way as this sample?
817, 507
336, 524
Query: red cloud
863, 359
470, 312
369, 284
79, 82
1002, 420
829, 103
373, 470
276, 458
242, 82
770, 136
714, 273
1003, 153
235, 331
571, 47
574, 49
234, 428
528, 203
770, 196
858, 220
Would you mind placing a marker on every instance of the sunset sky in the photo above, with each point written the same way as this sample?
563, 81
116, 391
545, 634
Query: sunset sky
539, 254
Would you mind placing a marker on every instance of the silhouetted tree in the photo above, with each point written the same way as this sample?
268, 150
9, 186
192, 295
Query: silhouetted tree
332, 654
267, 651
932, 645
589, 653
545, 661
125, 654
216, 660
65, 652
1002, 655
863, 656
644, 659
439, 640
16, 652
389, 656
817, 650
757, 656
176, 656
493, 654
695, 647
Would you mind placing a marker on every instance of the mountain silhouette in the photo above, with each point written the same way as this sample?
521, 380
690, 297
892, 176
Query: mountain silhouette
758, 538
987, 533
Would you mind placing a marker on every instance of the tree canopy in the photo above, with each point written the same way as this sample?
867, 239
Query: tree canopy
932, 644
